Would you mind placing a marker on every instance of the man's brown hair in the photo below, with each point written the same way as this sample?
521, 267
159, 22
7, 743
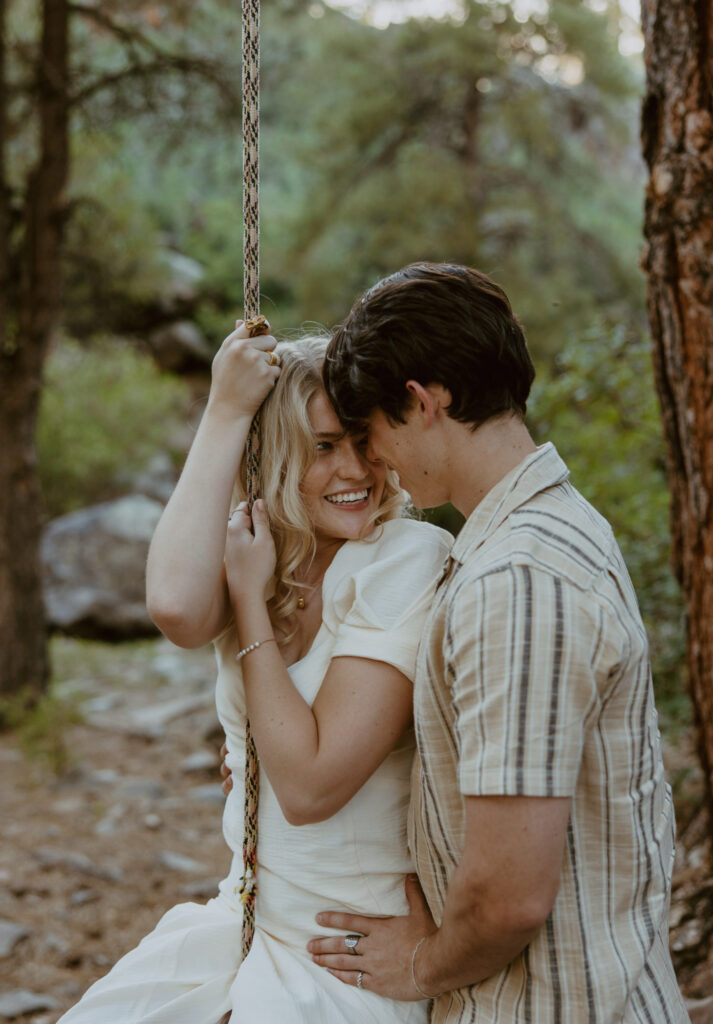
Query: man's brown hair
437, 323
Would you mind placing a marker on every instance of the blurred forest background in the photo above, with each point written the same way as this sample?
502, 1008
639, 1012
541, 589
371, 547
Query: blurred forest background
499, 134
504, 136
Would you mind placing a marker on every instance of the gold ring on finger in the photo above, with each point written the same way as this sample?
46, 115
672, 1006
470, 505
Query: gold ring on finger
273, 359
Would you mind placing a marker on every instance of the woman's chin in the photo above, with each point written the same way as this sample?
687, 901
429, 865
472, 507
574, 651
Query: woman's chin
346, 524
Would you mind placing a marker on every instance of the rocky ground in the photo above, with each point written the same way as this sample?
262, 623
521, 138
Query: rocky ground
92, 857
89, 861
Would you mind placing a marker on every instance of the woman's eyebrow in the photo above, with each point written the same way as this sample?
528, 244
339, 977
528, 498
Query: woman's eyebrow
329, 436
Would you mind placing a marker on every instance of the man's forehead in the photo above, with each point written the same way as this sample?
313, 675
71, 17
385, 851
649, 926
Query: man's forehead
377, 420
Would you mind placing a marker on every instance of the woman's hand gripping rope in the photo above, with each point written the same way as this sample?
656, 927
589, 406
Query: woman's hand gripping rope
244, 371
250, 556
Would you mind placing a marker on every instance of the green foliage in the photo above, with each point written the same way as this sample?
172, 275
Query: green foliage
502, 141
41, 728
600, 409
105, 410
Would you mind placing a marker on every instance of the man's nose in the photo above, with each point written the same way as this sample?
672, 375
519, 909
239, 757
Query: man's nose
352, 465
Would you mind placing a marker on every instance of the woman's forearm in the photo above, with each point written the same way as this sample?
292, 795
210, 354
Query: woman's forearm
318, 757
184, 571
281, 721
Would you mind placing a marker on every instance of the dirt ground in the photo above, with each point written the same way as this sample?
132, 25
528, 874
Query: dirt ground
91, 859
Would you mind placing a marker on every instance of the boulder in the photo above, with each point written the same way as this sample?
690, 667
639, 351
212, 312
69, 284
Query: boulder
93, 564
180, 347
157, 479
184, 277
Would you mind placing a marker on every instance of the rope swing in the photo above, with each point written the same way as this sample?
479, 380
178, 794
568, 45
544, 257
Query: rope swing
255, 324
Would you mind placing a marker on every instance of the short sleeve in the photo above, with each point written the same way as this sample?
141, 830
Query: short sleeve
519, 653
377, 608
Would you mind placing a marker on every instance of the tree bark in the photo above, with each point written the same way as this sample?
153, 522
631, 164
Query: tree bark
4, 184
677, 138
29, 326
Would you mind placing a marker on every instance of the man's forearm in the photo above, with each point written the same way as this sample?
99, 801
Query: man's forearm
479, 935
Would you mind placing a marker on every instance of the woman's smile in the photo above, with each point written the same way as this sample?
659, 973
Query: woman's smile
350, 501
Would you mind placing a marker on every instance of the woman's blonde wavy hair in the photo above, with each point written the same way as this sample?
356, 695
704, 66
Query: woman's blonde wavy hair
287, 450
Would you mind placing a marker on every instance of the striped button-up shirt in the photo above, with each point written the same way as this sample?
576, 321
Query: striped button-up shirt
533, 679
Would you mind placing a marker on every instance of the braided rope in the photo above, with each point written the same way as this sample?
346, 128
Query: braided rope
251, 138
256, 325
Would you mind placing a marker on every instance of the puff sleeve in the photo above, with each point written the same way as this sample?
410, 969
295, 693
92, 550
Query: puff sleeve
376, 605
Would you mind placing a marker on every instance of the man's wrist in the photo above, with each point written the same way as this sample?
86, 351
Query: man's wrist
416, 985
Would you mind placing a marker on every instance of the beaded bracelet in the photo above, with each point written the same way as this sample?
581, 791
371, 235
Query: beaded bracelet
413, 970
253, 647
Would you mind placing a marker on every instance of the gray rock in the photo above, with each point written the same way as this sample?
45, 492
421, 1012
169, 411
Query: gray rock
180, 347
68, 805
152, 821
109, 824
157, 479
687, 936
201, 889
200, 761
82, 896
93, 564
172, 665
55, 942
15, 1002
69, 989
184, 277
211, 793
10, 935
98, 705
152, 720
179, 862
102, 777
189, 835
141, 788
67, 860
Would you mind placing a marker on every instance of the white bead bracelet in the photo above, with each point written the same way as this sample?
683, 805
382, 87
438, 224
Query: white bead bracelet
253, 647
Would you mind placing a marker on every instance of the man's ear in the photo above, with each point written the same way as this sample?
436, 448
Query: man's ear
429, 400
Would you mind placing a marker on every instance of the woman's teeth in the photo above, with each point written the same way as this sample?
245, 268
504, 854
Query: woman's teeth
348, 497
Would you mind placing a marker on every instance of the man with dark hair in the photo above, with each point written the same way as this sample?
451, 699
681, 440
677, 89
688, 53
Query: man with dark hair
541, 824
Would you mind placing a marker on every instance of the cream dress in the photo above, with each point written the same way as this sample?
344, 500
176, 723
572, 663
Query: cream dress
188, 970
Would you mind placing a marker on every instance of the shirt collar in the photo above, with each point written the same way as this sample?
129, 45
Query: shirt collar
543, 469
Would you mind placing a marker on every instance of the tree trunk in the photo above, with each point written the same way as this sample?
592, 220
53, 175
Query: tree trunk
677, 137
29, 325
4, 187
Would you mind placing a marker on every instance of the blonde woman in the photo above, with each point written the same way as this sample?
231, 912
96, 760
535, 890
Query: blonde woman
315, 607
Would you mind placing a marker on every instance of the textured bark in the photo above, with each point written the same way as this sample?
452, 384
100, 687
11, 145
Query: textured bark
677, 138
29, 320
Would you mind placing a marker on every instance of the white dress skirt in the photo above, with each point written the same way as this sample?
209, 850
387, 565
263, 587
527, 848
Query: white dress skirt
188, 970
